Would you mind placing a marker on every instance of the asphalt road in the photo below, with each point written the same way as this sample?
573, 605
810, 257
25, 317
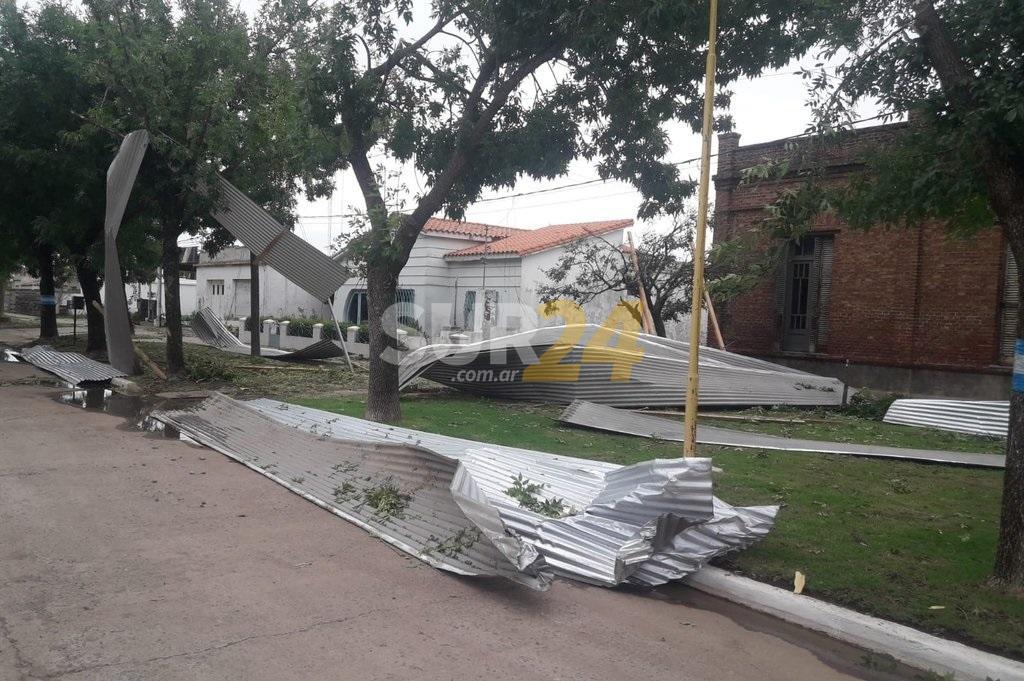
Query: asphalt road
124, 555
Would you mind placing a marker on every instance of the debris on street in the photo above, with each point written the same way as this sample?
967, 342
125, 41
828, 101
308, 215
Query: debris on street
70, 366
645, 524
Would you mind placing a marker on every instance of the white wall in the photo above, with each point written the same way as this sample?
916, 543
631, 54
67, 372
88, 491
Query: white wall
278, 296
597, 310
134, 292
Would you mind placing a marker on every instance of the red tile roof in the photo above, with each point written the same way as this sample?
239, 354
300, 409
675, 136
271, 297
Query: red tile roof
525, 242
445, 226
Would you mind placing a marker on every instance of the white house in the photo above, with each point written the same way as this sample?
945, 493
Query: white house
461, 277
479, 280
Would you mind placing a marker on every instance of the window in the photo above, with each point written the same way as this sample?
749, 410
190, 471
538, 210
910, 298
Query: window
216, 287
405, 307
357, 309
1008, 308
803, 293
469, 310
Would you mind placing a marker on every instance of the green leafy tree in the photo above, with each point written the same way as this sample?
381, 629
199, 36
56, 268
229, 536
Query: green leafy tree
51, 201
595, 267
216, 95
477, 94
958, 69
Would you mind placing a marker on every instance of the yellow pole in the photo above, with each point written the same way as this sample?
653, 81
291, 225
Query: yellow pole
693, 380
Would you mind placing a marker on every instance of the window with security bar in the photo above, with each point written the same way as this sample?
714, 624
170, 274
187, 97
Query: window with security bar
803, 293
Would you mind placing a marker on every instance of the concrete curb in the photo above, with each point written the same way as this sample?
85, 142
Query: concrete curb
909, 646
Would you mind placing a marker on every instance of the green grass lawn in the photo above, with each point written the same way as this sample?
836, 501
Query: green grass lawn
905, 541
833, 425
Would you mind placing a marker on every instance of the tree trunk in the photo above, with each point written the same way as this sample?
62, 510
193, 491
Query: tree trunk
382, 403
89, 280
1005, 187
254, 305
172, 302
659, 324
47, 295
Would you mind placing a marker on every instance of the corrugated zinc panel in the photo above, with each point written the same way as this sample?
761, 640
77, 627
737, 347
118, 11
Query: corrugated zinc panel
588, 362
120, 179
962, 416
297, 260
71, 366
626, 523
601, 417
412, 498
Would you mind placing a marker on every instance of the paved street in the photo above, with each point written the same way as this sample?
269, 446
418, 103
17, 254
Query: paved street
129, 556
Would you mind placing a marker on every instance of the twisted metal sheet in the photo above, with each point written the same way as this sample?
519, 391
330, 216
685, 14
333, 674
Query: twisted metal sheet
211, 330
616, 368
646, 524
434, 512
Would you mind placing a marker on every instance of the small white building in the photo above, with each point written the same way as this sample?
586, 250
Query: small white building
223, 283
480, 280
462, 277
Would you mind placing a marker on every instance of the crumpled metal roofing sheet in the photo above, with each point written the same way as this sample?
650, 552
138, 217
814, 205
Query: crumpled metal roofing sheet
424, 504
71, 366
611, 367
601, 417
297, 260
645, 524
211, 330
961, 416
120, 180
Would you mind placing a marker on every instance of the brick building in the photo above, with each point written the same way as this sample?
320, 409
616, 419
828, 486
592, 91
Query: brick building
913, 310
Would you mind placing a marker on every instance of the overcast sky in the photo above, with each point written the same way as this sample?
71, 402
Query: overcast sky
766, 108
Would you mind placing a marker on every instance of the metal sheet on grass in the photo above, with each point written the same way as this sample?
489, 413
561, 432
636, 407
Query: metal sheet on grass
422, 503
644, 524
978, 417
211, 330
588, 362
610, 419
71, 366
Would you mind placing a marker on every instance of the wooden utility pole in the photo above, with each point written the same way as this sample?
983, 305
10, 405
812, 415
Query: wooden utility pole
693, 379
713, 320
645, 310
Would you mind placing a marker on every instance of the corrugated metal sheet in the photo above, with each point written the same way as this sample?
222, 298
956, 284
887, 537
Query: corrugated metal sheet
437, 513
645, 524
120, 180
962, 416
297, 260
71, 366
601, 417
611, 367
211, 330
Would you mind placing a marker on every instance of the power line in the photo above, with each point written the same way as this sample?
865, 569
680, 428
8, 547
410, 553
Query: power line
582, 183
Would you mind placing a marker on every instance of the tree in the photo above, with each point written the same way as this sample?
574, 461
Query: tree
215, 96
53, 218
958, 68
594, 267
486, 92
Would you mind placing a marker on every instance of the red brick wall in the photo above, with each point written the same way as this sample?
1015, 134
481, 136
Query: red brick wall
900, 297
